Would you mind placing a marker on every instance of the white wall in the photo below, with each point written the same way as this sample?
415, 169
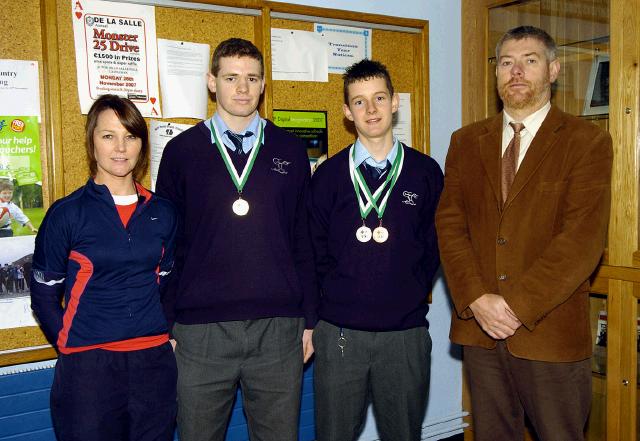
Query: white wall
403, 8
444, 16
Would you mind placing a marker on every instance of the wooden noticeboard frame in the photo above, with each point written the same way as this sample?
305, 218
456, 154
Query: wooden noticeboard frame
42, 30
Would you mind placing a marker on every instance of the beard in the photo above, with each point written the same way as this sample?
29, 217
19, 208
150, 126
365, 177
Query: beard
529, 98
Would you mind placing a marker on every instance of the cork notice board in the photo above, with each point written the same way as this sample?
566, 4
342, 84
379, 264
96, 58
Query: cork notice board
392, 48
42, 30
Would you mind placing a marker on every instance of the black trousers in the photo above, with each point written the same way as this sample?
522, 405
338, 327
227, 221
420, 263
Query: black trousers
263, 356
389, 369
103, 395
556, 397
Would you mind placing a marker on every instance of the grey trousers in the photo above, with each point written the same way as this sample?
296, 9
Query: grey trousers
389, 369
263, 356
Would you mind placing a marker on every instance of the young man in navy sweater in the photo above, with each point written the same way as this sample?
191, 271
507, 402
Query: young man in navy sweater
244, 297
372, 223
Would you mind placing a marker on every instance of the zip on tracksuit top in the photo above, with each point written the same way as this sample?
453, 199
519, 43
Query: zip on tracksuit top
109, 274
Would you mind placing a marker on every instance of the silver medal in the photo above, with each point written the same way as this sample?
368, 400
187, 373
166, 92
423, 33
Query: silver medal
363, 234
240, 207
380, 234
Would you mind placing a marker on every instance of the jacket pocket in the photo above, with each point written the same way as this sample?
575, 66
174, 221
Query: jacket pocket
552, 186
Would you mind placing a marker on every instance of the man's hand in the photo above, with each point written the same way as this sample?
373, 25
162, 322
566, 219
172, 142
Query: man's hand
173, 344
494, 316
307, 345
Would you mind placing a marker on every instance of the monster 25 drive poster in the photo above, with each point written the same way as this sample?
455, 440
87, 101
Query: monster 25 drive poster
115, 45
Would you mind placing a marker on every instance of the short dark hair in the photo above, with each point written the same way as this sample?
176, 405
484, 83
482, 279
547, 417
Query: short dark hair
130, 118
522, 32
235, 47
365, 70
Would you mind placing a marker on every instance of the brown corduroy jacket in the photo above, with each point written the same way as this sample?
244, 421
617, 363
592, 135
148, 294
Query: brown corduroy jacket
539, 249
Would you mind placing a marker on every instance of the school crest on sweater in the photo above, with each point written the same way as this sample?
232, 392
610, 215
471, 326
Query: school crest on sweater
280, 165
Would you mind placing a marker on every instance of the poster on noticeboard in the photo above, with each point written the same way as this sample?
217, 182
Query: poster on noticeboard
21, 212
116, 53
21, 198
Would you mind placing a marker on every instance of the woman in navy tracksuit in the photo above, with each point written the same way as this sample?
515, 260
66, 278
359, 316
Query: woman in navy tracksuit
107, 248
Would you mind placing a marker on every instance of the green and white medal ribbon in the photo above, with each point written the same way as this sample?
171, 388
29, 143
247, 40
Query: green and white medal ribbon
380, 234
240, 206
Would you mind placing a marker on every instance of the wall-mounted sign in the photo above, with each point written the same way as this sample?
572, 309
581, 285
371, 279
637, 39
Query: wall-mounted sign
309, 125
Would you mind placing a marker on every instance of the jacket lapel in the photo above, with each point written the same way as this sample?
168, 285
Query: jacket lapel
540, 146
490, 153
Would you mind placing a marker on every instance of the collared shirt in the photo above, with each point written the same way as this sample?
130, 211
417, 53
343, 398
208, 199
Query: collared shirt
14, 213
531, 123
247, 142
363, 155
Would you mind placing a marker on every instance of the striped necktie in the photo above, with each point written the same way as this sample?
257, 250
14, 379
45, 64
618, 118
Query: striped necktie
377, 173
510, 160
236, 139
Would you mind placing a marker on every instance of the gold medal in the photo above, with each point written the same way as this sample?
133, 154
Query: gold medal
380, 234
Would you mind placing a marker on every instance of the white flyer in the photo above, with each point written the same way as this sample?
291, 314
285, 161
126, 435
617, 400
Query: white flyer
160, 133
402, 120
183, 69
19, 88
298, 56
116, 53
347, 45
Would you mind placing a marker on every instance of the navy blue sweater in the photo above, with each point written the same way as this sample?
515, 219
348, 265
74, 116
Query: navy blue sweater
109, 275
231, 267
372, 286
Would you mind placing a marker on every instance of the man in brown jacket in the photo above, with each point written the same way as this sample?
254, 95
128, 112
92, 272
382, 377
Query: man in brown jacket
521, 225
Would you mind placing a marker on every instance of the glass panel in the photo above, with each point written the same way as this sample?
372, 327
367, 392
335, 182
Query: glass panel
501, 19
598, 417
583, 85
581, 30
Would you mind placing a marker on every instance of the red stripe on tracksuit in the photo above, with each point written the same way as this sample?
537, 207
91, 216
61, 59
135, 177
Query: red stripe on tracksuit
158, 267
132, 344
82, 278
146, 194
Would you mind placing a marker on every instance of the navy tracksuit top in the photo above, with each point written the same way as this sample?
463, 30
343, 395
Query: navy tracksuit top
109, 275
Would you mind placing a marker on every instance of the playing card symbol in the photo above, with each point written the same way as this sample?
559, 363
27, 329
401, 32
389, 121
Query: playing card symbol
153, 100
78, 9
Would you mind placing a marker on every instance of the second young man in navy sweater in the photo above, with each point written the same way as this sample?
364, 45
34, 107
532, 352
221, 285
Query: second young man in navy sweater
372, 223
244, 296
